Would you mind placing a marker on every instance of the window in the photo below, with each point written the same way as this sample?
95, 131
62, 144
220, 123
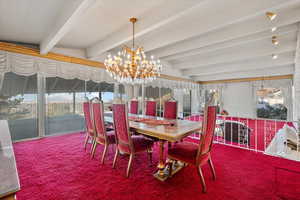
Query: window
63, 104
103, 91
271, 104
187, 97
18, 105
160, 95
212, 97
64, 100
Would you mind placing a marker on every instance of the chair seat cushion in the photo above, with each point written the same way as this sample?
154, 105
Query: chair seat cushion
111, 138
109, 129
141, 143
186, 152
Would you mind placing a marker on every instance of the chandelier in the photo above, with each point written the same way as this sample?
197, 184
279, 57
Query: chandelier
131, 65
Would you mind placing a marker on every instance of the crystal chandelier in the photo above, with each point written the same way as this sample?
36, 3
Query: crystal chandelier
131, 65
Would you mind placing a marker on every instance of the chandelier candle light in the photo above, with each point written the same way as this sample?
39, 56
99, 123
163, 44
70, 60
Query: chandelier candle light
131, 65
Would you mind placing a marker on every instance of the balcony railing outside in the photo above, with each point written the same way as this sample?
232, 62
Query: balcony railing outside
272, 137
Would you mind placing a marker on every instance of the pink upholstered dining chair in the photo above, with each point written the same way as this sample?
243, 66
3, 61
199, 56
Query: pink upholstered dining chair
134, 107
197, 154
170, 110
90, 131
127, 143
102, 136
150, 108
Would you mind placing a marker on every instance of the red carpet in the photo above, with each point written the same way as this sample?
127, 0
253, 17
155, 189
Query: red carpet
57, 168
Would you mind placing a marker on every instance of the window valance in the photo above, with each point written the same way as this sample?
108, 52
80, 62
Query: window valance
26, 65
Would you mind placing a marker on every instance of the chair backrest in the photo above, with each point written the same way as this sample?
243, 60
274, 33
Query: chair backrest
150, 108
170, 110
88, 117
134, 107
121, 125
98, 114
208, 130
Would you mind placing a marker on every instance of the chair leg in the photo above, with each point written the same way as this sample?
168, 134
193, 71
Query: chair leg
129, 165
212, 168
104, 153
202, 179
170, 163
92, 144
94, 148
116, 157
86, 141
169, 145
149, 151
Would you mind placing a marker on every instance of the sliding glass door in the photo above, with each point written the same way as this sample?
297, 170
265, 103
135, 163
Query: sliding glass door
64, 100
18, 105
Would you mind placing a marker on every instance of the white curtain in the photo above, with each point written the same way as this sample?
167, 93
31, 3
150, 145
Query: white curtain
197, 101
178, 95
28, 65
160, 82
219, 88
25, 65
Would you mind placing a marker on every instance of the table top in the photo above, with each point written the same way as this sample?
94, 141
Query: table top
9, 179
175, 132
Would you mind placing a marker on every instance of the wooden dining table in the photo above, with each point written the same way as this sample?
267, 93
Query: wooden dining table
165, 130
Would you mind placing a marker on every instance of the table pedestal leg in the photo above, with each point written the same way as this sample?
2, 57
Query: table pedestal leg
162, 172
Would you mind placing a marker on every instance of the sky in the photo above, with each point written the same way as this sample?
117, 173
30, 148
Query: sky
65, 97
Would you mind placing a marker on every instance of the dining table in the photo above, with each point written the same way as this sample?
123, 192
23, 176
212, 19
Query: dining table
164, 131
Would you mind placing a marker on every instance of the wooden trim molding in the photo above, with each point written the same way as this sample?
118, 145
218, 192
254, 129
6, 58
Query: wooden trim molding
10, 197
69, 59
52, 56
290, 76
174, 78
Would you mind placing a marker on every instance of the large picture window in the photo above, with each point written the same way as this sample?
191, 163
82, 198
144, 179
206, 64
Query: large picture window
271, 104
18, 105
64, 100
64, 105
187, 99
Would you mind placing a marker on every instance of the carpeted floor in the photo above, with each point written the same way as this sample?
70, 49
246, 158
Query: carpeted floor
57, 168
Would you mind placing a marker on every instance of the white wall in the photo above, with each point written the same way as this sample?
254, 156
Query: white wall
79, 53
238, 100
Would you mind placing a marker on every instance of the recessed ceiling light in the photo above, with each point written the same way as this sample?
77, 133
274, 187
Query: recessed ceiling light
274, 56
271, 15
274, 40
273, 29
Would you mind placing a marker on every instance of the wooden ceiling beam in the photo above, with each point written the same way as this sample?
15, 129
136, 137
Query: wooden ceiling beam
64, 24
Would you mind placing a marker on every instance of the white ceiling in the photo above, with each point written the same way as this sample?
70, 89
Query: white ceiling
103, 19
200, 39
29, 21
